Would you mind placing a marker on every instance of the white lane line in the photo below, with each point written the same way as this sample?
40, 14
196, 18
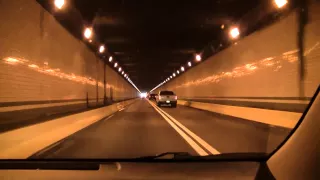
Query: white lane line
118, 166
109, 117
190, 141
39, 153
58, 143
193, 135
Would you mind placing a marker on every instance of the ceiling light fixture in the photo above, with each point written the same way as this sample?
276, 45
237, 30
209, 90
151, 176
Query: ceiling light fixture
59, 3
280, 3
101, 49
198, 57
88, 33
234, 33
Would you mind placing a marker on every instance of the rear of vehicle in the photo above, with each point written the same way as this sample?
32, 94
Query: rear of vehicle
152, 96
167, 98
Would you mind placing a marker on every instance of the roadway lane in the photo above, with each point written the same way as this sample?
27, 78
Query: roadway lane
141, 130
136, 131
228, 134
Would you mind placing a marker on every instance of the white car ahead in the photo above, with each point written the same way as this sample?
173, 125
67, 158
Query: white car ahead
167, 97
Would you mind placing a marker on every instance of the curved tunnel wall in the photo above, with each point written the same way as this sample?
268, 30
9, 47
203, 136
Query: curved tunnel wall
40, 60
42, 65
257, 79
262, 65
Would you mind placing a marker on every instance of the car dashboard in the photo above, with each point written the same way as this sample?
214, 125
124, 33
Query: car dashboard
148, 170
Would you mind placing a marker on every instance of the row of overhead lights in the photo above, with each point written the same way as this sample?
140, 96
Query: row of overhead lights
181, 70
88, 33
234, 33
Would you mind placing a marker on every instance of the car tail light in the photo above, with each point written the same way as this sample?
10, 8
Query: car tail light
176, 97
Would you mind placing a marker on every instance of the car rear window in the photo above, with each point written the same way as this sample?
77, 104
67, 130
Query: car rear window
166, 93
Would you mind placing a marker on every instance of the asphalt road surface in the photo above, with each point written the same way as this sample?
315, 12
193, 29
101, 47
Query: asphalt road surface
142, 129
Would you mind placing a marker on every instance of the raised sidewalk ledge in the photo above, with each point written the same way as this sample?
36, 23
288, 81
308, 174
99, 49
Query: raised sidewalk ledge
23, 142
272, 117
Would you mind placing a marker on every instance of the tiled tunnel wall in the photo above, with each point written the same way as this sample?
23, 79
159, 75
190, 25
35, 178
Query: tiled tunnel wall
41, 61
258, 72
263, 64
46, 71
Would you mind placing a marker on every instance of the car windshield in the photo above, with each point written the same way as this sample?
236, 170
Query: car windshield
80, 79
166, 93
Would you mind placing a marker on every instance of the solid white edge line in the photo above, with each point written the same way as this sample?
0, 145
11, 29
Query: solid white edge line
193, 135
109, 117
60, 141
122, 109
190, 141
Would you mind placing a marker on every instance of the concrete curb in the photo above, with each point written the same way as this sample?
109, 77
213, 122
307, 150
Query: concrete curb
272, 117
22, 143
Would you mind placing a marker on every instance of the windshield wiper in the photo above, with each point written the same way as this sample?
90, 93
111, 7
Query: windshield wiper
223, 157
167, 155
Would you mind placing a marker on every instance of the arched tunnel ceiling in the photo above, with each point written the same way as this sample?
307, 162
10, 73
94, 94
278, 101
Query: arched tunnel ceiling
150, 39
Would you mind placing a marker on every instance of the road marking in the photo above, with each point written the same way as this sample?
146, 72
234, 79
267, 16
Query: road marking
58, 143
118, 166
42, 151
109, 117
191, 142
193, 135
